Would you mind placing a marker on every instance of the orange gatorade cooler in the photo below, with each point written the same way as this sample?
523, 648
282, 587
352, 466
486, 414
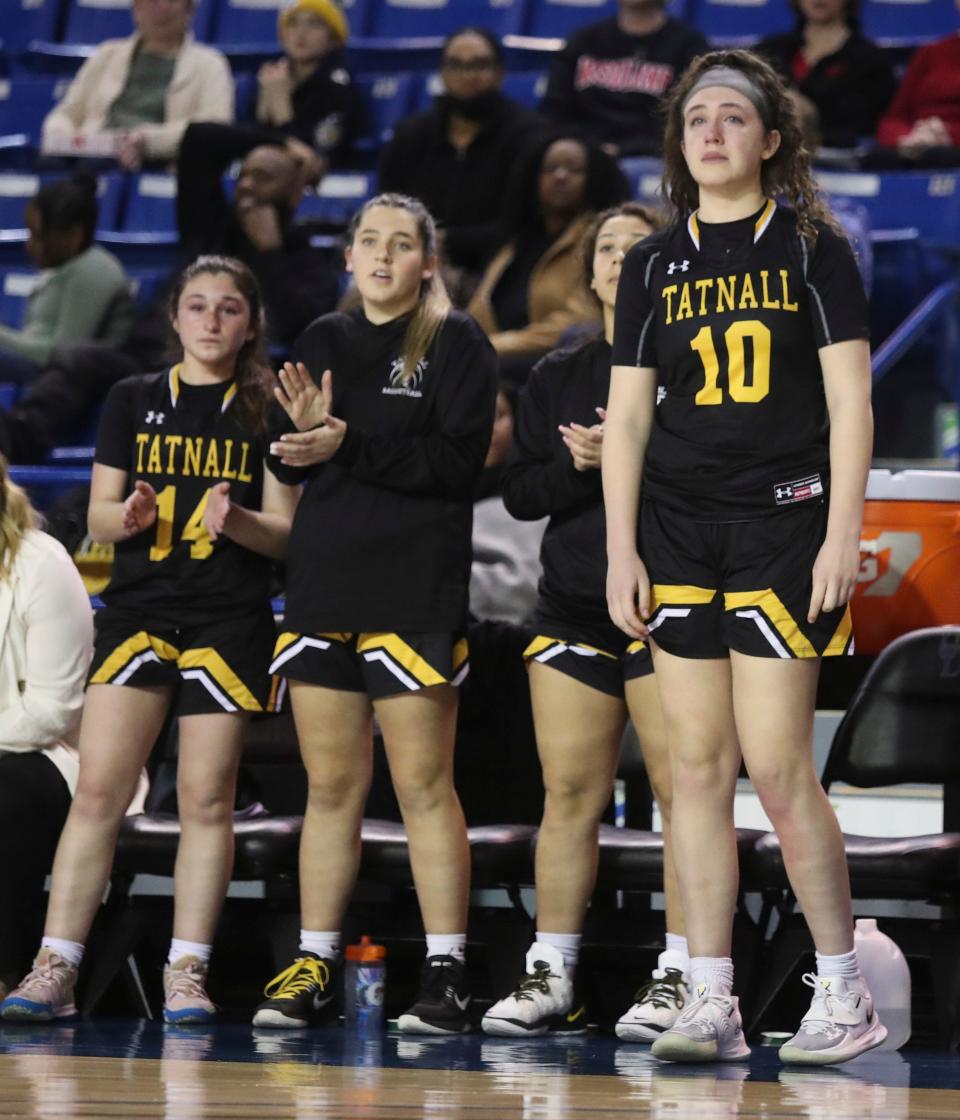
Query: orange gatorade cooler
909, 556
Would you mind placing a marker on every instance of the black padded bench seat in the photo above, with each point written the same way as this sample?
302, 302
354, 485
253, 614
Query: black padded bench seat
904, 867
631, 859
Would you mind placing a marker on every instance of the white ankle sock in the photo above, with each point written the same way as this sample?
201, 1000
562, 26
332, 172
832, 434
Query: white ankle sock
71, 951
566, 944
843, 964
325, 943
676, 943
180, 948
714, 972
447, 945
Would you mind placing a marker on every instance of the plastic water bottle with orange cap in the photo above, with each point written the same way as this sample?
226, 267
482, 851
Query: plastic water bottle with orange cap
363, 987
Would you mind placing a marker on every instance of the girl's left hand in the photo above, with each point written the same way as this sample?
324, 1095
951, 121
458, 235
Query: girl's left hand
305, 449
834, 575
217, 509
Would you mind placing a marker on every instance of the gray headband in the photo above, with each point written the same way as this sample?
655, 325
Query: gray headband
733, 79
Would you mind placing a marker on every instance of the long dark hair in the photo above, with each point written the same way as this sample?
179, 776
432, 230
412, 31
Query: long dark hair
253, 377
786, 173
606, 185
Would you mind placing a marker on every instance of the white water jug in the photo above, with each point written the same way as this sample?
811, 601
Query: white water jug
888, 977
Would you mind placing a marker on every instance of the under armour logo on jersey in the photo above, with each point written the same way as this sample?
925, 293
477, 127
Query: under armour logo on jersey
673, 267
154, 417
784, 492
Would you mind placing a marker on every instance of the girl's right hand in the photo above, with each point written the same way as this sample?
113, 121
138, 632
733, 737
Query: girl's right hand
628, 595
302, 400
139, 509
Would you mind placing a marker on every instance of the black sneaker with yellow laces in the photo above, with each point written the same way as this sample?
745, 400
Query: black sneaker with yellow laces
303, 995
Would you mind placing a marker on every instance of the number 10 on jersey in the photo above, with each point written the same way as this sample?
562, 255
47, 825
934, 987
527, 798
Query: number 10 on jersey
735, 337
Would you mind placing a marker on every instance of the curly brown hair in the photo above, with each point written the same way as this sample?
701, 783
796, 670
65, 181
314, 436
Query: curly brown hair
654, 218
786, 173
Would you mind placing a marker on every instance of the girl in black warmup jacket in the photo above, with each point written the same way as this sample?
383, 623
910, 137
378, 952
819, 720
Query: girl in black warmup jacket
389, 410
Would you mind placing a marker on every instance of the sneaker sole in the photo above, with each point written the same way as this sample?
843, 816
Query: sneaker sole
679, 1048
509, 1028
637, 1032
269, 1017
794, 1056
413, 1024
189, 1015
24, 1012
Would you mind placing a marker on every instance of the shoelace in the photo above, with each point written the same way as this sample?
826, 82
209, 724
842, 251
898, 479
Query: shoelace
536, 981
662, 991
695, 1012
826, 1000
300, 977
46, 973
187, 982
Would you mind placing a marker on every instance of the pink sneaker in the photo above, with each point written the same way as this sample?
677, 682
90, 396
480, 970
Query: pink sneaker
184, 997
45, 993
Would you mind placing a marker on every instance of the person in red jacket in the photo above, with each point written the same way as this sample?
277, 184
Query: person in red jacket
924, 118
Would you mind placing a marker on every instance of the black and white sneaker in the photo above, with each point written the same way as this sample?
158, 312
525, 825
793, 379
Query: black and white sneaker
300, 996
444, 998
543, 1002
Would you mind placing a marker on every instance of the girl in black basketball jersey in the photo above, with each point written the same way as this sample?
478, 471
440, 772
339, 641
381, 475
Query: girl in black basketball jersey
752, 316
585, 675
389, 410
179, 487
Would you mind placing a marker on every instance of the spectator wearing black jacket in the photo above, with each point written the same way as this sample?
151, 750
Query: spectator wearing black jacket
843, 76
298, 281
456, 156
609, 79
308, 93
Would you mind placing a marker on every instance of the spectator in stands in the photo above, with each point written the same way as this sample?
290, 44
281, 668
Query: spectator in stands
134, 97
609, 78
506, 552
309, 93
82, 294
923, 124
842, 78
46, 640
298, 281
455, 156
533, 289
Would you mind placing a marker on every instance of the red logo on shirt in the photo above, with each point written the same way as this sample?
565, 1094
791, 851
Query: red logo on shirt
623, 75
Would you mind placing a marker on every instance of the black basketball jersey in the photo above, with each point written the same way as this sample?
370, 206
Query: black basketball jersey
182, 439
732, 316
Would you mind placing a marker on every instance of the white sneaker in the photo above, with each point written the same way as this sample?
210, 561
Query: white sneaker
658, 1002
708, 1030
841, 1023
542, 1000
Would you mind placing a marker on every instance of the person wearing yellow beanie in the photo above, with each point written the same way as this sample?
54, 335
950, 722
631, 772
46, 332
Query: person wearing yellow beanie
308, 93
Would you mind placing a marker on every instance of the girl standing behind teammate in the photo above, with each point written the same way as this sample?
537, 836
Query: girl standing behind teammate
585, 675
179, 486
753, 317
391, 438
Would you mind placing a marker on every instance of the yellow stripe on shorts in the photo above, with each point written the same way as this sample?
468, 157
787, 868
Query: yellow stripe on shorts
403, 656
776, 614
130, 655
207, 666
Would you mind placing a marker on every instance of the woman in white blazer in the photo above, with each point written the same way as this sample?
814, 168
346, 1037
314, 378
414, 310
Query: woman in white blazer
46, 640
133, 98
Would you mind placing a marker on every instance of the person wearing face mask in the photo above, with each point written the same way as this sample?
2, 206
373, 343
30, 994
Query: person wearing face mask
454, 157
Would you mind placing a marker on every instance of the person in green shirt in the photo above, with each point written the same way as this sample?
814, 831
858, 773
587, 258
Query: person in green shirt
82, 294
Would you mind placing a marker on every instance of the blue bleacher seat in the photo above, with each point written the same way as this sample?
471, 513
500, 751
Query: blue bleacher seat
146, 284
254, 22
556, 19
92, 21
24, 20
340, 194
151, 204
527, 88
388, 99
15, 290
9, 391
419, 19
25, 102
245, 97
908, 22
16, 190
735, 22
928, 201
